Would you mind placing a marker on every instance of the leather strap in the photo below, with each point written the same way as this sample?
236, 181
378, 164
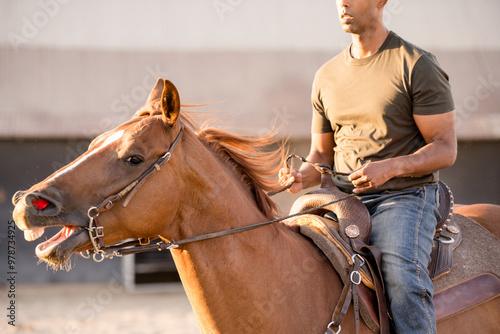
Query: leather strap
154, 168
349, 293
137, 183
355, 302
342, 305
174, 244
373, 257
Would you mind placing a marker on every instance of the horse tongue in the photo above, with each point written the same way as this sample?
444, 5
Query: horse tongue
31, 235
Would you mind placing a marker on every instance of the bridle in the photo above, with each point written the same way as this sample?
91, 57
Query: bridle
101, 251
96, 232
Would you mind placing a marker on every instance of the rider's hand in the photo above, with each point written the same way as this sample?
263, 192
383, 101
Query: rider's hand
371, 175
287, 176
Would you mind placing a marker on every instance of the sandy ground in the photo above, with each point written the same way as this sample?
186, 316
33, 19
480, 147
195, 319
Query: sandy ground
99, 308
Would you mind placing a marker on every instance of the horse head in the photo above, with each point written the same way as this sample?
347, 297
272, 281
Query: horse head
112, 162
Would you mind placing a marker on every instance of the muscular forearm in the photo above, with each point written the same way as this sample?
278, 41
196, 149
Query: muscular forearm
430, 158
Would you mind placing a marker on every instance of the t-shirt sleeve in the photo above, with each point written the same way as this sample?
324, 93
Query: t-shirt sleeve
320, 123
431, 91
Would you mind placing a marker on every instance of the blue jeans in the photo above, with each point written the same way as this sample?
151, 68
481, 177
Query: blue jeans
403, 226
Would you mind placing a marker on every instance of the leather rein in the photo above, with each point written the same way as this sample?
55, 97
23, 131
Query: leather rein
101, 251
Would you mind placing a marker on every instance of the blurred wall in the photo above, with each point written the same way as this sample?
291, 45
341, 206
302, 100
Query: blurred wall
72, 69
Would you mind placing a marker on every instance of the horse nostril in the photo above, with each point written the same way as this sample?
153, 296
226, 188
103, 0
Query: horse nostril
17, 196
44, 204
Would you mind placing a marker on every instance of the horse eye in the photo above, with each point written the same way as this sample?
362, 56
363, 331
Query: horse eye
134, 160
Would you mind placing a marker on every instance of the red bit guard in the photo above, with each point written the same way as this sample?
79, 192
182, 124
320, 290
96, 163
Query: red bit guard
40, 204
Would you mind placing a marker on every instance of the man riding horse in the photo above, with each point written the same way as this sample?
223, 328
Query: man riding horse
383, 112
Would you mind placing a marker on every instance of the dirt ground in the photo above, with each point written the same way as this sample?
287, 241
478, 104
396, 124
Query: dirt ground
100, 308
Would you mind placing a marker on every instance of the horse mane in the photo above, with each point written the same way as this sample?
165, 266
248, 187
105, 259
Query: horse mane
251, 159
255, 159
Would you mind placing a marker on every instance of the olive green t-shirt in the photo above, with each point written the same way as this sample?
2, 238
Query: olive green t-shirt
369, 105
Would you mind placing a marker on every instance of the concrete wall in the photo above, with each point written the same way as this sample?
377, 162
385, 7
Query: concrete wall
77, 68
69, 93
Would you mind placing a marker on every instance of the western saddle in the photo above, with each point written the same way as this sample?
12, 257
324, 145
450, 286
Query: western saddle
345, 242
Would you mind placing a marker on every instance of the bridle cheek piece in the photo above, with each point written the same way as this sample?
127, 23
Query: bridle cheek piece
100, 250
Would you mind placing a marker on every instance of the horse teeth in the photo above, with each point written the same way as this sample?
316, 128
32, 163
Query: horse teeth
68, 231
31, 235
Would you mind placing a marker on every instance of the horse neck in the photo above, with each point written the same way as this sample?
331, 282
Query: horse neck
255, 281
217, 201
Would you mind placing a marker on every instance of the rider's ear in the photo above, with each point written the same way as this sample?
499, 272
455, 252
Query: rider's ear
170, 103
381, 3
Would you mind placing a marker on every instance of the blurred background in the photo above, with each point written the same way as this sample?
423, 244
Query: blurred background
72, 69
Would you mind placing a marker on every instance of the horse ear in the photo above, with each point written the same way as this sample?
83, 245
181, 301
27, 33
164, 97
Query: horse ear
170, 102
156, 92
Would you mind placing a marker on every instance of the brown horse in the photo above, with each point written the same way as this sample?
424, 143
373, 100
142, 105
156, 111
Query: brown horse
267, 280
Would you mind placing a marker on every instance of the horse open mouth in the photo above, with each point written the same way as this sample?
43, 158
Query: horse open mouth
58, 249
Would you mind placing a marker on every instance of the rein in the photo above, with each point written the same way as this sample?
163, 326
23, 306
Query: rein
96, 232
142, 245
